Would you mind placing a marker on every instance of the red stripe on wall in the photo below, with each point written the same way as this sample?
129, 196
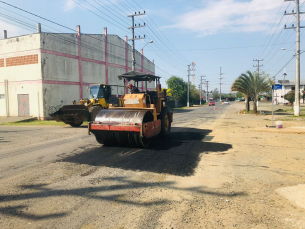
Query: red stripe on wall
52, 82
60, 82
58, 54
80, 62
106, 55
22, 53
40, 82
126, 61
93, 61
116, 65
142, 68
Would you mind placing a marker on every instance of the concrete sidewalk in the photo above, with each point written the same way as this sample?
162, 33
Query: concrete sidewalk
16, 119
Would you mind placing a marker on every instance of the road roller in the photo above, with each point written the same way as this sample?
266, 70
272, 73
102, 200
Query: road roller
142, 116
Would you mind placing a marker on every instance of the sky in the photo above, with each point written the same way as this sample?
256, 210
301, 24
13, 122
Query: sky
214, 34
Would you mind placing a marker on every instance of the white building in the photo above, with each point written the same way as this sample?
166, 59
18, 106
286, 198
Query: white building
289, 85
41, 72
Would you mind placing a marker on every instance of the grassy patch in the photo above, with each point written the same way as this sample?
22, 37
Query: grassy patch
244, 111
36, 123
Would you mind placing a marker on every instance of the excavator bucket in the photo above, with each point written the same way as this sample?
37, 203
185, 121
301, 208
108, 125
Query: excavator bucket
124, 127
71, 114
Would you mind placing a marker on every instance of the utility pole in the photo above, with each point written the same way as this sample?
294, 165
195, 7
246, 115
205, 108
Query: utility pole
283, 88
188, 85
220, 84
207, 92
188, 81
258, 65
201, 87
297, 55
193, 70
133, 37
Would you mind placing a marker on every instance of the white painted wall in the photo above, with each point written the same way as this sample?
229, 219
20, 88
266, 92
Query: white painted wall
14, 47
285, 89
2, 105
32, 90
10, 46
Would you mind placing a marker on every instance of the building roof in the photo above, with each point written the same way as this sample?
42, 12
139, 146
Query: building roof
291, 82
138, 76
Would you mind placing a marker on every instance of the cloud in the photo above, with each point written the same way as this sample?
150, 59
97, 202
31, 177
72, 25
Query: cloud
69, 5
12, 30
229, 16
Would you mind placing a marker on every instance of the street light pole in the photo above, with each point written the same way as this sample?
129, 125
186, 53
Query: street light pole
148, 43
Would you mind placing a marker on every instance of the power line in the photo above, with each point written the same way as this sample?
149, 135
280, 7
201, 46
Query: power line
153, 23
92, 47
273, 26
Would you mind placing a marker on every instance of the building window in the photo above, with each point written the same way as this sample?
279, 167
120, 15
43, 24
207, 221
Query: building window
293, 88
2, 96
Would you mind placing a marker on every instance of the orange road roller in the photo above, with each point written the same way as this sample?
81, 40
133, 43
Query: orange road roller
142, 116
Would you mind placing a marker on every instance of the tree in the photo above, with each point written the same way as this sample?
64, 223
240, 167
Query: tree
194, 93
239, 95
252, 86
290, 96
178, 88
215, 94
243, 85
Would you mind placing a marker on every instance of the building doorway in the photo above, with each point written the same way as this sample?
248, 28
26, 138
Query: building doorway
23, 105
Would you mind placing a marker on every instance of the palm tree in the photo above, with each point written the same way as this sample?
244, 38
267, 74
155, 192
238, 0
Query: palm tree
252, 85
243, 85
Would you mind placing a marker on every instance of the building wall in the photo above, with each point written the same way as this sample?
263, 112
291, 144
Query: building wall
57, 95
279, 94
68, 59
20, 57
56, 69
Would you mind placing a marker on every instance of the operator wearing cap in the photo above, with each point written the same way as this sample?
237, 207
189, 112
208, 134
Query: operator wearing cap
133, 89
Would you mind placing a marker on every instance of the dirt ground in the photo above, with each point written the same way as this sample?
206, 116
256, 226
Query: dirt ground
247, 176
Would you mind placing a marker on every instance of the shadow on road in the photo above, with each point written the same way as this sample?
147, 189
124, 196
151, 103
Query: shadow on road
177, 155
277, 113
107, 189
2, 140
177, 111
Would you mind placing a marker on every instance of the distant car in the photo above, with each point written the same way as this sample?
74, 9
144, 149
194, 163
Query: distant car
212, 103
226, 102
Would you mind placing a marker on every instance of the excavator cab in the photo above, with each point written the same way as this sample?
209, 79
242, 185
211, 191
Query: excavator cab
100, 91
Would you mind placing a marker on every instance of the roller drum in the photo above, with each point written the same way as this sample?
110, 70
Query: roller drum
124, 117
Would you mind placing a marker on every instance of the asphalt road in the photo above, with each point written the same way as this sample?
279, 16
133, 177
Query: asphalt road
40, 164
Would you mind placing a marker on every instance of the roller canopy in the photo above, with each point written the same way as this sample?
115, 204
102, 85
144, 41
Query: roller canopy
138, 76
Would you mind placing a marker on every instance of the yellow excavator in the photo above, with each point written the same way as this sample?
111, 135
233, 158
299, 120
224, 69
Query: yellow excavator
87, 109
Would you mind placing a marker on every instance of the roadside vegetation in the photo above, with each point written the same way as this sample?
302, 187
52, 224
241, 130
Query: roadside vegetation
252, 85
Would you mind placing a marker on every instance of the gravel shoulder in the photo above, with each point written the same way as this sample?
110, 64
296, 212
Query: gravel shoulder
230, 171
